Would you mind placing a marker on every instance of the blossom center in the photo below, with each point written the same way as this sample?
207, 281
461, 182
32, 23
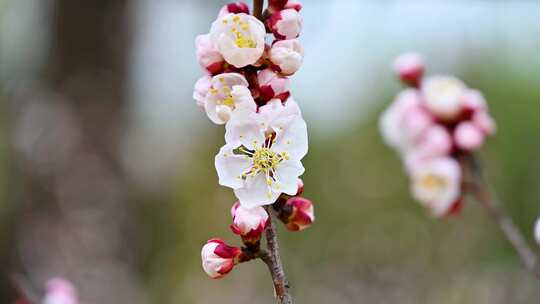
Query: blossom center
240, 30
265, 159
433, 182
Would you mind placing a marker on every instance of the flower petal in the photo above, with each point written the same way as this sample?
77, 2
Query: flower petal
256, 192
229, 167
287, 174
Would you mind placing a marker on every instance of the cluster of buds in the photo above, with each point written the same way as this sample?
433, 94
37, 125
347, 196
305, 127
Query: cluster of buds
246, 87
431, 123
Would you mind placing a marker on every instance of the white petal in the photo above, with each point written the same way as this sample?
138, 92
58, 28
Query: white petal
210, 108
244, 129
291, 137
229, 167
256, 192
287, 174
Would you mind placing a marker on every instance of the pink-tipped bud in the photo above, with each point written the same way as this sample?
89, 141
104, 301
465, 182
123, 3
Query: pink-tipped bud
234, 8
286, 56
295, 5
60, 291
468, 137
218, 258
474, 101
300, 190
272, 85
286, 24
302, 214
248, 223
208, 55
409, 67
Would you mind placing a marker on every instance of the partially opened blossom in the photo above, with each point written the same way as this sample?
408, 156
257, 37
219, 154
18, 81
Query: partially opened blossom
218, 258
272, 85
228, 92
202, 86
436, 184
239, 38
468, 136
286, 56
261, 158
410, 67
302, 214
249, 223
234, 8
60, 291
443, 96
404, 122
286, 24
208, 55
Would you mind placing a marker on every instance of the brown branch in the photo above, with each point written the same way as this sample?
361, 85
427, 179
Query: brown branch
272, 259
479, 189
258, 9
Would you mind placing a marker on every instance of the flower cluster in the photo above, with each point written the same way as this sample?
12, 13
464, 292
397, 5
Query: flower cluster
430, 123
246, 87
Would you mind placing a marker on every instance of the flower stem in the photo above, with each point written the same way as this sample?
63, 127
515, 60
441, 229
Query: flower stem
258, 9
479, 189
273, 260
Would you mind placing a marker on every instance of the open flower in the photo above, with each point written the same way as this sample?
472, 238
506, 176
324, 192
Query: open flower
261, 158
228, 92
218, 258
60, 291
443, 96
302, 214
272, 85
249, 223
286, 24
286, 56
208, 55
436, 184
239, 38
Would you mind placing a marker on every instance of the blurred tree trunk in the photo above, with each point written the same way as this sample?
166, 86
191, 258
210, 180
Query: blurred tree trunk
78, 219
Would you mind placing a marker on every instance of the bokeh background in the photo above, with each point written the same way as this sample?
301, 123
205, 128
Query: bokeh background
106, 163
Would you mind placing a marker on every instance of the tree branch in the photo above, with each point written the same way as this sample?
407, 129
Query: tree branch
479, 189
273, 261
258, 9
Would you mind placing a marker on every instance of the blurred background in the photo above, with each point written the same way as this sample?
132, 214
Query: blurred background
106, 163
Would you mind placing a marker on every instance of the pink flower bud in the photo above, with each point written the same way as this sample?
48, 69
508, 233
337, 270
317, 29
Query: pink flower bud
271, 85
474, 101
302, 215
435, 141
468, 137
60, 291
286, 24
218, 258
485, 122
537, 231
300, 187
409, 67
248, 223
296, 5
208, 55
202, 86
286, 56
234, 8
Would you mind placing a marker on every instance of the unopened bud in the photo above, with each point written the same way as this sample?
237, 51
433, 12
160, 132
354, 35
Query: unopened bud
218, 258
